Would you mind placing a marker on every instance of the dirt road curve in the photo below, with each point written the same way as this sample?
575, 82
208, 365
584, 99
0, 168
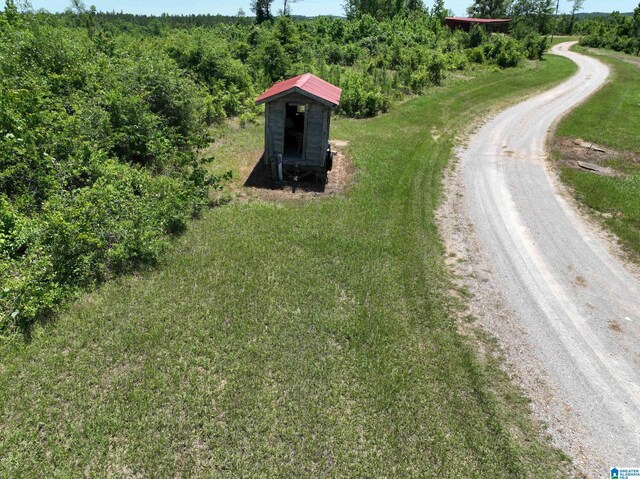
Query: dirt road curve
579, 306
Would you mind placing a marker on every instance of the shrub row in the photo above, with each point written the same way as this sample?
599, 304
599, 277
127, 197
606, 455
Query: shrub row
100, 123
615, 32
97, 160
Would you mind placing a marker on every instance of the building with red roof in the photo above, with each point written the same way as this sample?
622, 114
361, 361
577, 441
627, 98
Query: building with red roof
297, 121
307, 84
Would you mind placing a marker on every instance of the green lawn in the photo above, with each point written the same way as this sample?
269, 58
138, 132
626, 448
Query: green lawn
564, 38
295, 339
611, 118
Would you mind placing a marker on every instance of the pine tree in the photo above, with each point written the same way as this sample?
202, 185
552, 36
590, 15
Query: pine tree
439, 11
262, 9
576, 6
532, 15
286, 9
414, 5
488, 9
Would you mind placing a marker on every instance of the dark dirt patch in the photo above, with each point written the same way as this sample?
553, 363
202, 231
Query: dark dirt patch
614, 326
258, 181
580, 281
574, 151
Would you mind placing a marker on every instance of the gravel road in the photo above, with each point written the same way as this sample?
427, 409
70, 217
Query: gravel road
576, 302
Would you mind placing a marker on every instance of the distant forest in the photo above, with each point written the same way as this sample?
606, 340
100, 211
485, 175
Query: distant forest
601, 14
204, 20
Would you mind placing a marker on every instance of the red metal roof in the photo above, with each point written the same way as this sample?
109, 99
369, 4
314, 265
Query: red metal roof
477, 20
306, 83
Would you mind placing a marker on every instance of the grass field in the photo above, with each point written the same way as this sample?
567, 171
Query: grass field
291, 339
564, 38
611, 118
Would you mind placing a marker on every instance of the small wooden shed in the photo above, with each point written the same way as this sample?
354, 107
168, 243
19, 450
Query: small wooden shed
297, 121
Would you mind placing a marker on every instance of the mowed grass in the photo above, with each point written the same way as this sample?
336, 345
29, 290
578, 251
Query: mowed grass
564, 38
295, 339
611, 118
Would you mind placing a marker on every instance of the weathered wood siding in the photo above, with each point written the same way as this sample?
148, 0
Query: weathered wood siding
314, 135
325, 132
297, 98
274, 129
267, 113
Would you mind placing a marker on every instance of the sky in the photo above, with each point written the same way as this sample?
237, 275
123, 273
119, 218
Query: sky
303, 7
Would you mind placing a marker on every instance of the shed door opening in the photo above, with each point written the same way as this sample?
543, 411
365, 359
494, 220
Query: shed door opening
294, 130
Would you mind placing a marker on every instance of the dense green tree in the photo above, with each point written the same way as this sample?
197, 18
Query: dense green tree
355, 8
10, 13
439, 11
488, 9
615, 31
415, 5
532, 15
576, 6
286, 8
262, 10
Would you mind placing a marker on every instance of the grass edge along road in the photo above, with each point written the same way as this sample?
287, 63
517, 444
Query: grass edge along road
295, 339
610, 118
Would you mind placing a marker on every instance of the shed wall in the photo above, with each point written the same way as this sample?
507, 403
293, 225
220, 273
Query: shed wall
274, 129
316, 129
325, 131
314, 135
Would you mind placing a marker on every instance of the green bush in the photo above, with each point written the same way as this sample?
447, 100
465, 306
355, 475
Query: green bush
85, 235
477, 36
535, 45
360, 98
616, 32
504, 51
97, 161
476, 55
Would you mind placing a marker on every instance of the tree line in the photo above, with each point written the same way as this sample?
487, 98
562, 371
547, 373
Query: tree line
616, 32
